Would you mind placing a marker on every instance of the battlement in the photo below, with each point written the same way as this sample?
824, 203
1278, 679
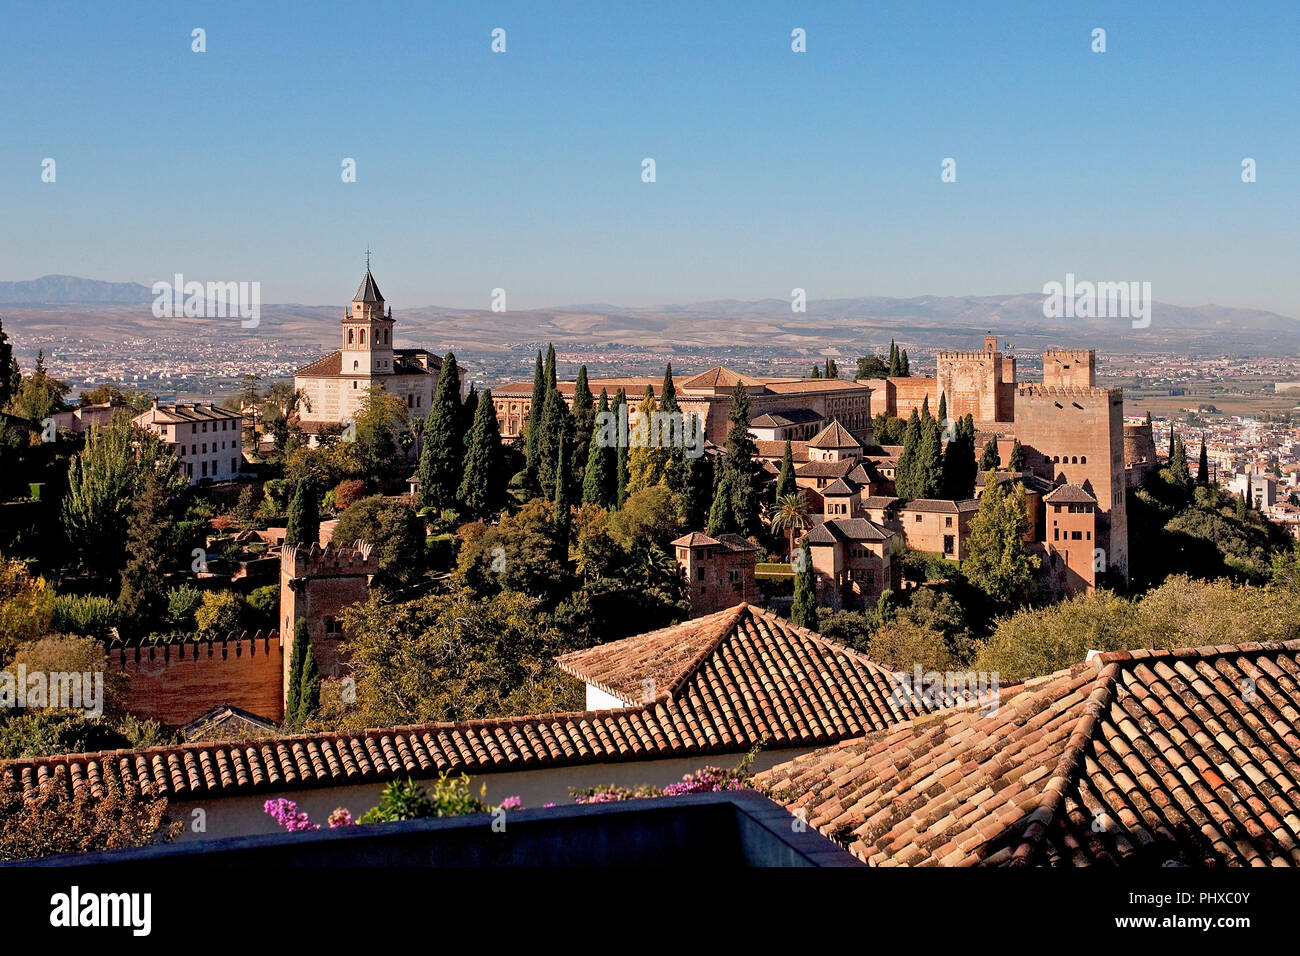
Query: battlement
315, 561
1078, 355
967, 356
182, 647
1092, 393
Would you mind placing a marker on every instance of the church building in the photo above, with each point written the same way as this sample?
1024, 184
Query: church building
334, 386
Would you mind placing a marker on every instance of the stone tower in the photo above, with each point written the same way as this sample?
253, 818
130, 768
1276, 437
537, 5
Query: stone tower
1070, 367
316, 584
368, 333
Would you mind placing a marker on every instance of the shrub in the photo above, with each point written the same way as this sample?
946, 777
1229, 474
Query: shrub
264, 606
90, 615
182, 602
219, 614
407, 800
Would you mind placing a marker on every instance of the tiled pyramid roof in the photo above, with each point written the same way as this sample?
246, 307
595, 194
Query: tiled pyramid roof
1070, 495
834, 435
761, 680
1138, 757
368, 291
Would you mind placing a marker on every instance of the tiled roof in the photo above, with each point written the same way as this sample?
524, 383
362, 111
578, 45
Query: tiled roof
197, 412
1070, 495
368, 291
764, 680
719, 377
788, 416
825, 469
941, 505
776, 449
838, 488
698, 539
331, 364
1138, 757
834, 530
834, 435
794, 386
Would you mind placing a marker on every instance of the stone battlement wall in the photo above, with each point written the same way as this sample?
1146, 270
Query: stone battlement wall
317, 561
176, 681
1096, 394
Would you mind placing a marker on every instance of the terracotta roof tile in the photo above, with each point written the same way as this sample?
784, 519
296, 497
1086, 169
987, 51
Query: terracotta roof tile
1139, 758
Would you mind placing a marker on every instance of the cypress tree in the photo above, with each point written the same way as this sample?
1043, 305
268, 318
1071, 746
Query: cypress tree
959, 461
1017, 460
10, 377
551, 381
533, 424
1203, 466
598, 478
989, 459
739, 481
1172, 443
468, 409
816, 372
1178, 465
141, 601
943, 408
308, 690
907, 474
929, 461
483, 481
697, 495
675, 464
646, 464
584, 413
620, 457
556, 434
441, 458
303, 527
894, 364
293, 693
785, 483
904, 369
803, 613
560, 512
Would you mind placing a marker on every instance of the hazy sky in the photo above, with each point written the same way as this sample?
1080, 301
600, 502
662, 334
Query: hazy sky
522, 170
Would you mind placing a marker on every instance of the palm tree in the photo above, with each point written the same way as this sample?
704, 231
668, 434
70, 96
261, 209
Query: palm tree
791, 516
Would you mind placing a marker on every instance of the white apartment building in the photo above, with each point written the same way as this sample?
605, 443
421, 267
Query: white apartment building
207, 440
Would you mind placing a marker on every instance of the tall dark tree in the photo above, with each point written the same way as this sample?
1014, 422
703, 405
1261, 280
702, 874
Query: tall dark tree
1203, 466
895, 364
904, 369
551, 380
441, 459
552, 445
560, 513
10, 376
675, 467
697, 493
816, 372
943, 408
584, 414
929, 460
959, 467
908, 478
297, 657
468, 409
599, 477
803, 613
1016, 462
483, 482
308, 690
989, 459
832, 370
736, 503
1178, 467
620, 469
785, 484
533, 424
150, 548
303, 527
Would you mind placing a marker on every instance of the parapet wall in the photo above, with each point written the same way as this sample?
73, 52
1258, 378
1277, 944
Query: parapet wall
177, 681
317, 562
1091, 393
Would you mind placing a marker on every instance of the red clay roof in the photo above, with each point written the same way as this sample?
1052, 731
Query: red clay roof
1140, 757
331, 364
764, 680
834, 435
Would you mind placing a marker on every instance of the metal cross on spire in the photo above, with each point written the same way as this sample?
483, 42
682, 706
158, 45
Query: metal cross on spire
367, 257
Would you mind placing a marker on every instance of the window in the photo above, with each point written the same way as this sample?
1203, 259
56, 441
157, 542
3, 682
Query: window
355, 366
363, 337
735, 576
1083, 459
333, 626
194, 449
947, 522
1076, 535
234, 464
349, 336
205, 469
948, 545
205, 448
918, 517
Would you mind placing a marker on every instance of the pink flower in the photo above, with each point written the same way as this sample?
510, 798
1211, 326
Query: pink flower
512, 803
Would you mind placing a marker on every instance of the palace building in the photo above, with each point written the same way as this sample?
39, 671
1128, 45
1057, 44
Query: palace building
335, 385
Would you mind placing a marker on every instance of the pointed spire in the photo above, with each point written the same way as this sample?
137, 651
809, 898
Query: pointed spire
368, 290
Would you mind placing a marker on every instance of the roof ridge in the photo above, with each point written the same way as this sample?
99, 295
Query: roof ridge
1205, 650
731, 623
1068, 765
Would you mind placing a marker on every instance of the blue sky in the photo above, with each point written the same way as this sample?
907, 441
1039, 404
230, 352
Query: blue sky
522, 170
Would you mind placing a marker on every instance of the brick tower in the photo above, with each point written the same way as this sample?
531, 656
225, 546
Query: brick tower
316, 585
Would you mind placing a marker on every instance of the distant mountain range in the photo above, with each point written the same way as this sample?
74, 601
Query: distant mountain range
61, 290
54, 302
